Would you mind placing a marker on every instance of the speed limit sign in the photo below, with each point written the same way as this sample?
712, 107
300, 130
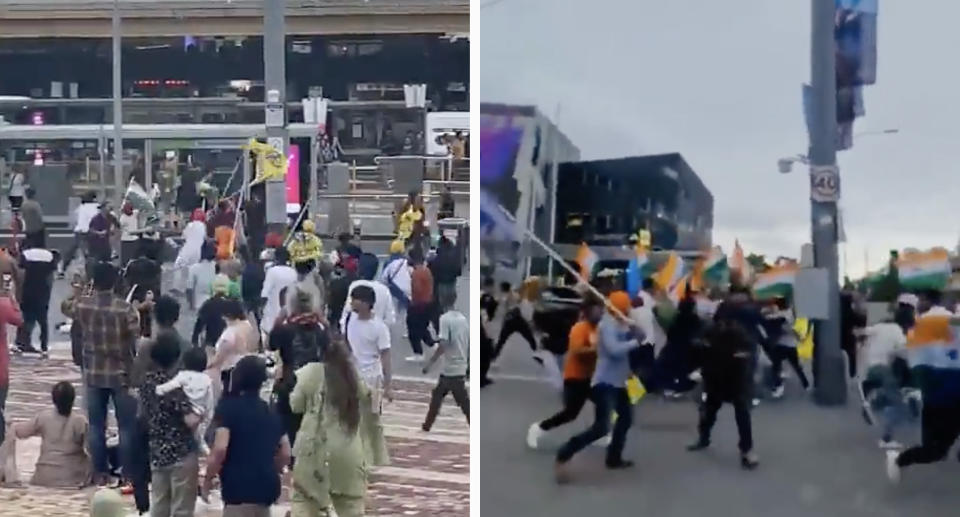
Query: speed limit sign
825, 184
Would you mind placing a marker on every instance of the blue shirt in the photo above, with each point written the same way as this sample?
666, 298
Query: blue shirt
249, 474
614, 343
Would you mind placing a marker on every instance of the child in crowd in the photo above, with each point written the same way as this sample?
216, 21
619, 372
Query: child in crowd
198, 387
454, 348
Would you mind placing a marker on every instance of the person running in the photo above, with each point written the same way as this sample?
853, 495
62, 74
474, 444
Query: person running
396, 276
446, 268
63, 461
200, 278
616, 337
83, 215
674, 364
932, 353
277, 278
39, 266
194, 238
785, 343
331, 467
518, 316
369, 339
250, 449
883, 348
17, 189
109, 327
99, 234
728, 367
488, 310
420, 311
143, 277
581, 360
454, 348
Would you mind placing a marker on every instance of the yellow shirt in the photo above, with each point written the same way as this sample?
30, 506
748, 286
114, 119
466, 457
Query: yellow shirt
407, 221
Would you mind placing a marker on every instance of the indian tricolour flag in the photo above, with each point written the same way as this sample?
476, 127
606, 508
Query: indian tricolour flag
716, 270
775, 282
924, 270
671, 273
586, 259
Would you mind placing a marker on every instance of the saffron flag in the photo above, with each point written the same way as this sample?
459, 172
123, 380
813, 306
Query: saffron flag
671, 273
586, 259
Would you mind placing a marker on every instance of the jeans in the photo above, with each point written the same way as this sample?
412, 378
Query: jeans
741, 411
175, 488
79, 244
607, 400
418, 319
125, 407
34, 316
940, 428
882, 390
576, 393
452, 384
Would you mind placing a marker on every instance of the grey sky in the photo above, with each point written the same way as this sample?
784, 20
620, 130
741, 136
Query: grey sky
720, 82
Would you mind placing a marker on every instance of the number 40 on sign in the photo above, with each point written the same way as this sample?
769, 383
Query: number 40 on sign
825, 184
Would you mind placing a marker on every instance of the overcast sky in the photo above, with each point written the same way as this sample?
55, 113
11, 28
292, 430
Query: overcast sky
720, 82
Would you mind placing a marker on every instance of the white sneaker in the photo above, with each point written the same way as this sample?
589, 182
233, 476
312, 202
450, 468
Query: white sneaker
893, 470
891, 445
777, 392
755, 402
695, 376
534, 434
415, 358
604, 442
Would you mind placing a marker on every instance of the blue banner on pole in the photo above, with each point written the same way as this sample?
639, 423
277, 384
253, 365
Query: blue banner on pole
855, 33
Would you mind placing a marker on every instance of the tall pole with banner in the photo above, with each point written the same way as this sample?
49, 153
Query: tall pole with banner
275, 86
831, 388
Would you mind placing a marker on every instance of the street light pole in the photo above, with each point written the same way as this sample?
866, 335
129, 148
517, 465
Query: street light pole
117, 107
831, 387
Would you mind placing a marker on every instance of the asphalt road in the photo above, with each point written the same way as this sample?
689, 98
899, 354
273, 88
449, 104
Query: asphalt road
814, 461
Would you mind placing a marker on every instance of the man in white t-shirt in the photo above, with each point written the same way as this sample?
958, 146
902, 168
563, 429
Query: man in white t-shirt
644, 317
369, 340
383, 306
454, 347
83, 214
883, 344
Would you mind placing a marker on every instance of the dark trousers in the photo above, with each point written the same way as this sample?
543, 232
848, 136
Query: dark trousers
37, 239
34, 316
789, 354
576, 392
140, 468
514, 322
607, 400
851, 351
673, 368
741, 411
486, 357
418, 321
3, 409
447, 384
940, 428
79, 244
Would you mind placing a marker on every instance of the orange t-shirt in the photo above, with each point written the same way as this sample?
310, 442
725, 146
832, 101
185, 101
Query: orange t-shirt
580, 367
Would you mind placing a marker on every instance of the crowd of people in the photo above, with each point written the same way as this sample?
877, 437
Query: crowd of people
726, 347
282, 381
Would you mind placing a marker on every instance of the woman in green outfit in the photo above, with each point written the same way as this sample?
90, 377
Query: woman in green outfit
331, 469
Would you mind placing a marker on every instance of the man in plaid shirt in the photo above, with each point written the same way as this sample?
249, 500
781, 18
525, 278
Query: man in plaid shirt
109, 327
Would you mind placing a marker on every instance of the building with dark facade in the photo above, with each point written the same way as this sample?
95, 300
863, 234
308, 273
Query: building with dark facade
604, 202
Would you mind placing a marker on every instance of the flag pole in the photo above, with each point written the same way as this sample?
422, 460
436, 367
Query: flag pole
563, 263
